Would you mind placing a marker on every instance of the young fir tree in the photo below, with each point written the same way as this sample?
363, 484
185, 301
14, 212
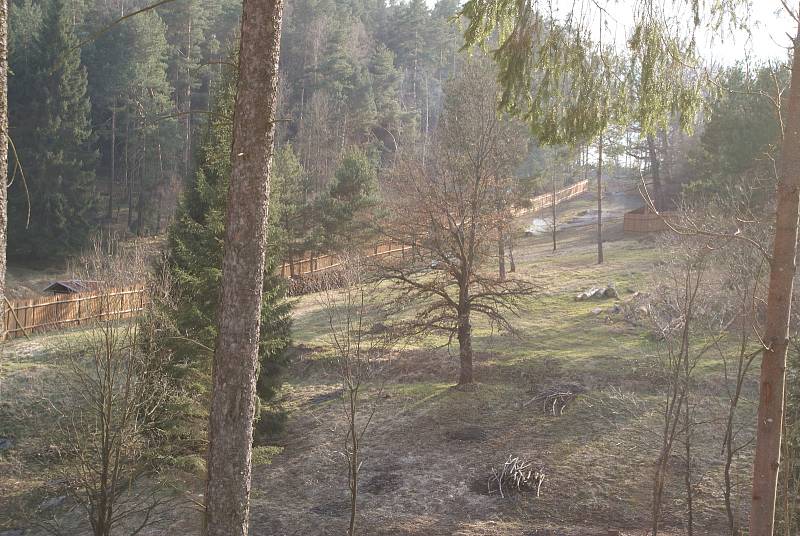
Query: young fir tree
195, 263
51, 128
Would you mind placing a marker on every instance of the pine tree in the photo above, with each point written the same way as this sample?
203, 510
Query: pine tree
345, 208
336, 72
292, 209
53, 136
195, 264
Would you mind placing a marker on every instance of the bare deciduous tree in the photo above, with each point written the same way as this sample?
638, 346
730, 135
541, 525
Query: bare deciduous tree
745, 282
678, 323
447, 207
115, 385
362, 349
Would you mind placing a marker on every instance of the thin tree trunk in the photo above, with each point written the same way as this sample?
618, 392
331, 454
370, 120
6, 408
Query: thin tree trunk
354, 463
655, 166
160, 188
239, 317
776, 332
113, 161
554, 212
688, 474
586, 163
600, 200
501, 253
130, 183
3, 157
512, 266
188, 147
140, 196
667, 160
127, 183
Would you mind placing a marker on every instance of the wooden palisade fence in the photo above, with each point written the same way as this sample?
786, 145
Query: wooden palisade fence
27, 316
546, 200
316, 264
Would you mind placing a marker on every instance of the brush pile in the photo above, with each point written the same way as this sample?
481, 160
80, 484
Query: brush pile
516, 475
555, 399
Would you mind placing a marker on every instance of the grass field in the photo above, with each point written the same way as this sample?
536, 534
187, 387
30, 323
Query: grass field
431, 448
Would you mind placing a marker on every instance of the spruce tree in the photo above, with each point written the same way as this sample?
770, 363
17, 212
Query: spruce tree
195, 242
53, 135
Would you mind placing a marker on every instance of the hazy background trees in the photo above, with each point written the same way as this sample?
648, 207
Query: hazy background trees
358, 79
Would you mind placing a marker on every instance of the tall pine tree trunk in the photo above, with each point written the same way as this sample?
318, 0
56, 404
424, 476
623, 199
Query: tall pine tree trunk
239, 317
600, 200
3, 157
776, 331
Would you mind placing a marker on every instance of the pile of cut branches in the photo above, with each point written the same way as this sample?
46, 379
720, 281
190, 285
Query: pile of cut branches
555, 399
515, 475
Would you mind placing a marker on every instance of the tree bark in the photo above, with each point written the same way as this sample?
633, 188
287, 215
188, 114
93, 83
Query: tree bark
236, 352
776, 332
3, 157
600, 200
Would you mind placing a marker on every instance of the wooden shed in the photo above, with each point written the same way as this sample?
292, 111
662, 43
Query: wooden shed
644, 220
73, 286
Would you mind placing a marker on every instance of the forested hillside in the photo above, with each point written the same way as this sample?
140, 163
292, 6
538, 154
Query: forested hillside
106, 118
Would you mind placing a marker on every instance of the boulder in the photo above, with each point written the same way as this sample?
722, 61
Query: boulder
598, 293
